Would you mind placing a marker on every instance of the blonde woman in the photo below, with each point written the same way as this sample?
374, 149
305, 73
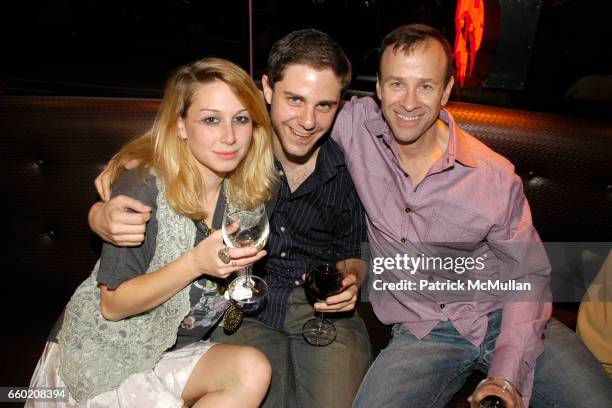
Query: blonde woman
130, 335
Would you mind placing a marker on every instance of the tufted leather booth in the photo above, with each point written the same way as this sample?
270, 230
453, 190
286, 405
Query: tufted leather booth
52, 149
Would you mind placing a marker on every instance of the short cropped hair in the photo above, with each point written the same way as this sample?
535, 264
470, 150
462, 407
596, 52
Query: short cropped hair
309, 47
407, 37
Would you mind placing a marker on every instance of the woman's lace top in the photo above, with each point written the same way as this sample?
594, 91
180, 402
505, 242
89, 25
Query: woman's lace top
96, 354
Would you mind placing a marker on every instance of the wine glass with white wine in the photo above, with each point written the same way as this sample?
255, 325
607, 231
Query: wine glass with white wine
253, 229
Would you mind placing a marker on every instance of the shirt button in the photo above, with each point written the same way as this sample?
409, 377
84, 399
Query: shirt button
283, 254
543, 336
403, 240
282, 229
281, 173
297, 282
442, 306
407, 209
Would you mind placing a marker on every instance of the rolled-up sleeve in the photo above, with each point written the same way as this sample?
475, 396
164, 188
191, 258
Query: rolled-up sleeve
522, 258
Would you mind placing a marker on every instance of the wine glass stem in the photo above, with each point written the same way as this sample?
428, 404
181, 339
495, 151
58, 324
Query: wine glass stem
321, 321
248, 282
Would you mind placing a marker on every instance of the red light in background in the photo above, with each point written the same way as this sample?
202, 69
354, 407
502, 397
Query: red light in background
469, 28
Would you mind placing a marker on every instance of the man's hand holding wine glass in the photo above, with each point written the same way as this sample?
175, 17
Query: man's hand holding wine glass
496, 393
347, 299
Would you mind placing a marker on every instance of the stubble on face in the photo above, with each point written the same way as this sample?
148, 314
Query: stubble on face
303, 105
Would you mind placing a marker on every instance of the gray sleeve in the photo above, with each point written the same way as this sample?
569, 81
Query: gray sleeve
118, 264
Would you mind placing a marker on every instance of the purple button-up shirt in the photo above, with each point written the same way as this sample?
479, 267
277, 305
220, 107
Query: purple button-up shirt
470, 195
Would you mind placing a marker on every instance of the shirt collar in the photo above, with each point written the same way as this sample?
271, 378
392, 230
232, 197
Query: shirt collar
329, 160
377, 126
458, 148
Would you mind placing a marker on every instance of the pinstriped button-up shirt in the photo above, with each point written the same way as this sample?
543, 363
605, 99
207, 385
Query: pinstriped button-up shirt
323, 212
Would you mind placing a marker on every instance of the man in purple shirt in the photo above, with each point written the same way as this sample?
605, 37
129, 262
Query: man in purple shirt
430, 188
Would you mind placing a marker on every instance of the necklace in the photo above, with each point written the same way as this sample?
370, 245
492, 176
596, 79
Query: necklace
233, 314
204, 229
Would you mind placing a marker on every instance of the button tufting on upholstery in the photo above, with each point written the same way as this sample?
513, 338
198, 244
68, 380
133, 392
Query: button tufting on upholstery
536, 181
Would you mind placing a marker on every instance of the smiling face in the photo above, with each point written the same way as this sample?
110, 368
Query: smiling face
303, 105
217, 128
411, 87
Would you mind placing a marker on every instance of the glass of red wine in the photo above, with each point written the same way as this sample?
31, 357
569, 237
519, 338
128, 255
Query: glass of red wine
495, 393
323, 279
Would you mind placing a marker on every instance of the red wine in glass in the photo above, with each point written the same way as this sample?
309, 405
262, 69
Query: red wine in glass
323, 279
495, 393
491, 401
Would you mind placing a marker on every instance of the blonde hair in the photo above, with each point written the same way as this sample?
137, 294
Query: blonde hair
250, 184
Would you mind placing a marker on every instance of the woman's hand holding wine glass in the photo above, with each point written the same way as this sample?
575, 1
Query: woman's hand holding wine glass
246, 227
206, 261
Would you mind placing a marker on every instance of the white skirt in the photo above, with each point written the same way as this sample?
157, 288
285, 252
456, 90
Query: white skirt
162, 387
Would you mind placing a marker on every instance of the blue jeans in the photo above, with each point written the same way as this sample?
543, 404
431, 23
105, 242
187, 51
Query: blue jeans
428, 372
304, 375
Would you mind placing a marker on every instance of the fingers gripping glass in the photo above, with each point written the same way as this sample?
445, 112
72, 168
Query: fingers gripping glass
495, 393
323, 279
244, 227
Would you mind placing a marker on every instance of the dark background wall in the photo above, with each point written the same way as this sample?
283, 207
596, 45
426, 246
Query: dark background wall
127, 48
